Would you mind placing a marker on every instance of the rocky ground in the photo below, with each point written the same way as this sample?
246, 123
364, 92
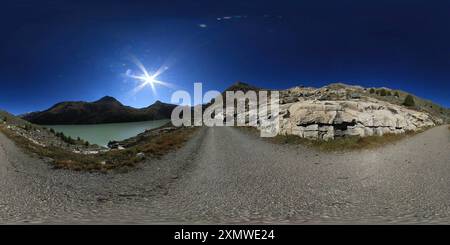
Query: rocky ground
223, 175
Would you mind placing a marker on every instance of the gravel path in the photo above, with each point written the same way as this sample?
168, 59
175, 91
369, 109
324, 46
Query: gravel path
224, 175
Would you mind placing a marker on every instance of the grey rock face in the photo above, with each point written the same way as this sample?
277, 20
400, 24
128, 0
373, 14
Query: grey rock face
339, 111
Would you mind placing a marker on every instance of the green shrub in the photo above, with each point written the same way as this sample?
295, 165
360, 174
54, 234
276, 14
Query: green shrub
372, 91
69, 140
27, 127
388, 93
409, 101
65, 138
382, 92
397, 94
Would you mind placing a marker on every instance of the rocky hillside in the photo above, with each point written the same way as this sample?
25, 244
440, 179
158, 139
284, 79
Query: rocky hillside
6, 117
342, 110
398, 97
105, 110
31, 135
339, 110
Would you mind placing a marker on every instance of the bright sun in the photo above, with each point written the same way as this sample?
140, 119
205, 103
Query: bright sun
145, 79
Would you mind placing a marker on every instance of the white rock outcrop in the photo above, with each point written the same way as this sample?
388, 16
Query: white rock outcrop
329, 119
327, 113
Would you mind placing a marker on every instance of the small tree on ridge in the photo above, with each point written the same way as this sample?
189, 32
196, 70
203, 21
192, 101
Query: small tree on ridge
409, 101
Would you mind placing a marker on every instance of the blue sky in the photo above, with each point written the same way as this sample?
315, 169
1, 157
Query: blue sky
53, 51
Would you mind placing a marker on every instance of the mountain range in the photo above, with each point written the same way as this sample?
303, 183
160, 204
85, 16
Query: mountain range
105, 110
110, 110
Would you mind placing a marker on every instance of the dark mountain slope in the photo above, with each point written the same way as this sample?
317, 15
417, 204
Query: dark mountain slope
105, 110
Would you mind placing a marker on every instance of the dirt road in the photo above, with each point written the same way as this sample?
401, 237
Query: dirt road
224, 175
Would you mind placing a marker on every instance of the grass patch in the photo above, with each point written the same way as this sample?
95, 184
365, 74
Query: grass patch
351, 143
152, 147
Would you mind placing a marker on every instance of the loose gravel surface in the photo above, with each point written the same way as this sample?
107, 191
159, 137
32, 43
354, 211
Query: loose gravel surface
224, 175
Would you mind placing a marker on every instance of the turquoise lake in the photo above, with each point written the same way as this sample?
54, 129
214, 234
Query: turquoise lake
101, 134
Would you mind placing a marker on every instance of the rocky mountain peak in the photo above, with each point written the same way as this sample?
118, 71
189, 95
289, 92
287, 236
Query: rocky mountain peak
108, 99
241, 86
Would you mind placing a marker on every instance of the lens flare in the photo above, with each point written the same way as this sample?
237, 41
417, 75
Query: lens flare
146, 79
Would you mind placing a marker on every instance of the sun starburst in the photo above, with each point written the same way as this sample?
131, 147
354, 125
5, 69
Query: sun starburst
145, 78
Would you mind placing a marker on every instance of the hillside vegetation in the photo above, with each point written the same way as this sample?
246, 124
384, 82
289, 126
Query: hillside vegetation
399, 97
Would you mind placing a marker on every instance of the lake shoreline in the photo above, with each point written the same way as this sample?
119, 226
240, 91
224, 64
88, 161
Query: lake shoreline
102, 134
63, 152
